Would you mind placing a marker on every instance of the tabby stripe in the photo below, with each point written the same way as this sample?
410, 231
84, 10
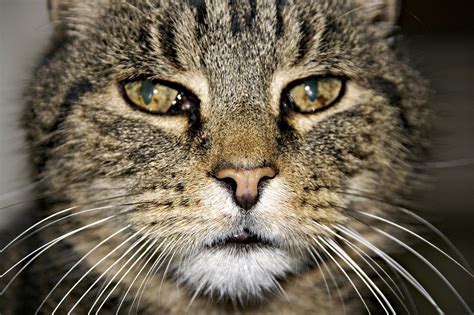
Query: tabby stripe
331, 28
387, 88
72, 97
390, 91
279, 27
167, 31
235, 25
74, 94
250, 19
200, 6
144, 38
307, 33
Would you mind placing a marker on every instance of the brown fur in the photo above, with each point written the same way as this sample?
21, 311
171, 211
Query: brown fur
88, 144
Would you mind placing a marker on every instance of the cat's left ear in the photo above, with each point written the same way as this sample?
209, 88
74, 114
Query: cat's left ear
380, 11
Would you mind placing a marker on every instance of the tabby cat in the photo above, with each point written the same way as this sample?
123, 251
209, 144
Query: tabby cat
213, 157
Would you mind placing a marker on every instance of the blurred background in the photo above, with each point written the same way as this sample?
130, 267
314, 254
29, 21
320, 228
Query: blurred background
440, 36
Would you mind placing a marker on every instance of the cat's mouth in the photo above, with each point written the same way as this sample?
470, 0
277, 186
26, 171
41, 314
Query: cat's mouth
244, 239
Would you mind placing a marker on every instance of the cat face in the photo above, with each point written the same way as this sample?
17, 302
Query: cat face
242, 180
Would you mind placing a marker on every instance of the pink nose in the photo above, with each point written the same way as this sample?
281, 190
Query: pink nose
246, 183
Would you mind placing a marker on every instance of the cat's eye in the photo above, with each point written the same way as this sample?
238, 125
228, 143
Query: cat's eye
157, 98
314, 93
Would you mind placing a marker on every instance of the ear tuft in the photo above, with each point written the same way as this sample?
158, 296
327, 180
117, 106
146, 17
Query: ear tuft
61, 10
58, 9
385, 11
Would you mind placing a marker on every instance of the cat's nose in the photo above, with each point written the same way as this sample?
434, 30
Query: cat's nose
245, 183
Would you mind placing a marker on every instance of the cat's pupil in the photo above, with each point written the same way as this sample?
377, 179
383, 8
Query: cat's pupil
146, 91
311, 88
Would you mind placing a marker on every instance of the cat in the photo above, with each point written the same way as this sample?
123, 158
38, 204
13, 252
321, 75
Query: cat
213, 157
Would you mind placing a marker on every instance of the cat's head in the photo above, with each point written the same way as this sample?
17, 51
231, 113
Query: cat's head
237, 135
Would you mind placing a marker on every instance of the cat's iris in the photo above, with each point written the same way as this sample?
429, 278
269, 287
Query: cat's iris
315, 93
151, 97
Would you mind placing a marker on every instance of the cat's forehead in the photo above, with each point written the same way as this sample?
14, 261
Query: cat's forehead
254, 33
226, 36
235, 49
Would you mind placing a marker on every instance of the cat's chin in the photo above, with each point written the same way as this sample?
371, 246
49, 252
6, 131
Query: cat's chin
240, 272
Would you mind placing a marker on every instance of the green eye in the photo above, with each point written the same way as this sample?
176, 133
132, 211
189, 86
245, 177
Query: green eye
315, 93
151, 97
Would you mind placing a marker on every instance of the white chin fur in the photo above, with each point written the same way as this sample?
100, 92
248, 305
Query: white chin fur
236, 274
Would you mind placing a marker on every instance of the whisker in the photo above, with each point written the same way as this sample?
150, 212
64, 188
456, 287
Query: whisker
449, 163
164, 274
197, 291
344, 272
417, 236
416, 217
35, 225
103, 284
415, 17
440, 235
20, 190
322, 273
48, 195
431, 266
332, 278
369, 261
150, 247
11, 205
95, 265
77, 263
157, 264
45, 247
391, 262
359, 8
280, 288
18, 241
138, 274
157, 270
21, 237
362, 275
109, 280
154, 274
62, 212
406, 293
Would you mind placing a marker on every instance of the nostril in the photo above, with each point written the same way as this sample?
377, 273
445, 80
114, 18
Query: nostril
264, 180
229, 183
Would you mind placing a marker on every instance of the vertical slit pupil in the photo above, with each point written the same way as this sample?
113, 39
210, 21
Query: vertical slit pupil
311, 88
146, 91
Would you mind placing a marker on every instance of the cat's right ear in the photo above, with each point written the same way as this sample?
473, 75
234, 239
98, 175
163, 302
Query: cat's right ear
65, 13
385, 11
382, 14
59, 10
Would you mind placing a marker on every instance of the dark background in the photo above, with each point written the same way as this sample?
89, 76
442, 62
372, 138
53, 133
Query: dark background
430, 16
440, 36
